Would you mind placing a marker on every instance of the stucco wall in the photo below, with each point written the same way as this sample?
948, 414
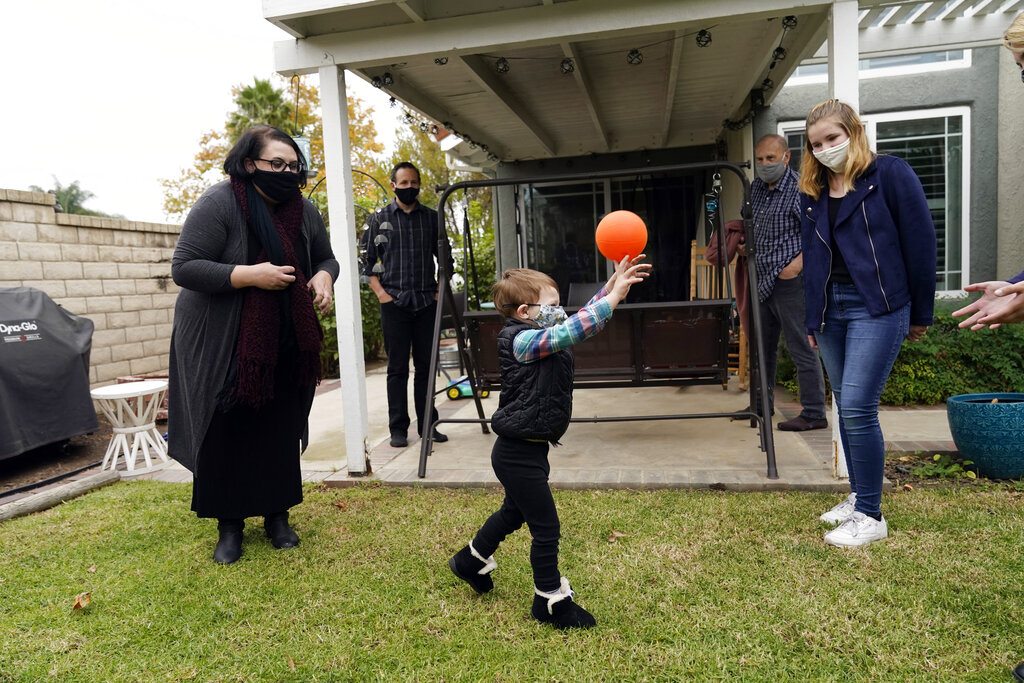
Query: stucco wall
1010, 183
115, 272
976, 87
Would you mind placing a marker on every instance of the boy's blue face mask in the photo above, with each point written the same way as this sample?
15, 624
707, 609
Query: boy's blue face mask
549, 316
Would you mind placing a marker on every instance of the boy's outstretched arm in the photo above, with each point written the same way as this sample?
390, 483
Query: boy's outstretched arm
628, 272
608, 286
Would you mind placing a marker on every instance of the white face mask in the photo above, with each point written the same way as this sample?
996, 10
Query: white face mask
834, 157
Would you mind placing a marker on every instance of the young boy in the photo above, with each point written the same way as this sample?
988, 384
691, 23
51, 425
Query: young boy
534, 409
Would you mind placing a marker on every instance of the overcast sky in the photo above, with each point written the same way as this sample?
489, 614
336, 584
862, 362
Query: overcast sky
116, 93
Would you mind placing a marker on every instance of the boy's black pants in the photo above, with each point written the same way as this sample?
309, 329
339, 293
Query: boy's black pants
522, 468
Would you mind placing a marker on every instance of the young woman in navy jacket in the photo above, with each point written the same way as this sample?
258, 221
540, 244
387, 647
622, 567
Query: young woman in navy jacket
869, 283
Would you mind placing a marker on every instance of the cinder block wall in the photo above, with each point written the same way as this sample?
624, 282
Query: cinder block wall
115, 272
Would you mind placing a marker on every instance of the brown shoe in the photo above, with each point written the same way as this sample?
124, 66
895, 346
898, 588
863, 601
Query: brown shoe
802, 424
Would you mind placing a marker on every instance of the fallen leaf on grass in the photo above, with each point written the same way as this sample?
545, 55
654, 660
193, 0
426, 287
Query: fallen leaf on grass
908, 487
615, 535
91, 569
82, 600
291, 662
340, 504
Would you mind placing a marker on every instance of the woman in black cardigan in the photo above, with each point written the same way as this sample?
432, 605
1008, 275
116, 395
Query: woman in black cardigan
253, 261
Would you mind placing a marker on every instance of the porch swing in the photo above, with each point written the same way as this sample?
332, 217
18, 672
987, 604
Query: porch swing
673, 343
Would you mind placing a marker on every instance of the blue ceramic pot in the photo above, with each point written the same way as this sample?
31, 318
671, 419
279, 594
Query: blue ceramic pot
990, 434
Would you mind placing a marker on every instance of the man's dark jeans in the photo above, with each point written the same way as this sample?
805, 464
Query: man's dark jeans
406, 331
783, 312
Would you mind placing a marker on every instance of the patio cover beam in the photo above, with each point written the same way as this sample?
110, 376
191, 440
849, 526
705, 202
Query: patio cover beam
582, 77
414, 9
414, 98
517, 28
675, 61
739, 100
485, 76
949, 34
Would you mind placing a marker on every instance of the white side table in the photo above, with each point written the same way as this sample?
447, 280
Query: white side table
131, 409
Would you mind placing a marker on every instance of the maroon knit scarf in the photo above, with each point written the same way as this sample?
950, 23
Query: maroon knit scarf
257, 352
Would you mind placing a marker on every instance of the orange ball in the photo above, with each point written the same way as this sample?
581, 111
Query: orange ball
620, 234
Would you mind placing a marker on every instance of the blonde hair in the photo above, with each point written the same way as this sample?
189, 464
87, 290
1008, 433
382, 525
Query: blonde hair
1013, 39
519, 286
814, 174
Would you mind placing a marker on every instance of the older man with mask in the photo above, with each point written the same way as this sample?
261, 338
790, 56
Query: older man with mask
780, 287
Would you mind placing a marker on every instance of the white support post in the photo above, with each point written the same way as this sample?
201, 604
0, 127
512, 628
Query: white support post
843, 84
843, 55
337, 158
838, 454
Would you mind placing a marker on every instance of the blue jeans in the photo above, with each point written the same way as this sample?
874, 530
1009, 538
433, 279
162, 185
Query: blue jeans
859, 350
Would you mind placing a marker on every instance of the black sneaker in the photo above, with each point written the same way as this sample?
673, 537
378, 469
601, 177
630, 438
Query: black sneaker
560, 611
399, 441
802, 424
1018, 672
468, 568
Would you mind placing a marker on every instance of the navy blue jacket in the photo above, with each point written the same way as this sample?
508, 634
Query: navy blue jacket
887, 237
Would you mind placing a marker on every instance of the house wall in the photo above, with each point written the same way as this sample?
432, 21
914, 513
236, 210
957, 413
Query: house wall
976, 87
115, 272
1010, 183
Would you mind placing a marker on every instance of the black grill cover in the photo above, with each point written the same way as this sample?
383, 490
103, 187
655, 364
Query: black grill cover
44, 372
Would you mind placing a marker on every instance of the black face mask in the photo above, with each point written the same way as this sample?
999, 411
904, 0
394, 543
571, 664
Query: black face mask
279, 187
407, 195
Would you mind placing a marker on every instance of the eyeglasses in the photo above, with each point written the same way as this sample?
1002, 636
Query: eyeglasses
278, 165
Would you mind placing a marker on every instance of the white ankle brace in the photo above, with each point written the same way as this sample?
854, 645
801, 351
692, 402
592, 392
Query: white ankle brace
489, 564
564, 591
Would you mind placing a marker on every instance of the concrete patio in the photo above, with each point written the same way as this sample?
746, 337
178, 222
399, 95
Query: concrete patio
664, 454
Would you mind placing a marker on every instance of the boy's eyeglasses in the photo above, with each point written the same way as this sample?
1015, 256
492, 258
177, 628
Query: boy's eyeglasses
278, 165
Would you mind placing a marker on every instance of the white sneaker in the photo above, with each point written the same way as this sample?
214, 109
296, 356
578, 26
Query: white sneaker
858, 529
840, 512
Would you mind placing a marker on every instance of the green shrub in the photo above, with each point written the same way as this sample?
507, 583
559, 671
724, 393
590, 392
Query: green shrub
947, 362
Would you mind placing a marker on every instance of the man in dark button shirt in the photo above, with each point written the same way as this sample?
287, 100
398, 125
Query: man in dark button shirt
401, 249
780, 286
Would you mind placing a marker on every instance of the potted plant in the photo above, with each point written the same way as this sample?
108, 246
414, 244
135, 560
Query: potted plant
988, 429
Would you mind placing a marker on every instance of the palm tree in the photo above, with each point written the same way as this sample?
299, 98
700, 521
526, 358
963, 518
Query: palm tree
260, 102
72, 197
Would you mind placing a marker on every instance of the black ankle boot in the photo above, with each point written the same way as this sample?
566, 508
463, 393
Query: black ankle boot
280, 534
559, 610
471, 569
229, 543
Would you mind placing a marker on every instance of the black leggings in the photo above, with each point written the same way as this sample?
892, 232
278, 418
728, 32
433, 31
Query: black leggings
522, 468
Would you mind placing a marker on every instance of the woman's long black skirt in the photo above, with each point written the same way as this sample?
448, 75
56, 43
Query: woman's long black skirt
248, 465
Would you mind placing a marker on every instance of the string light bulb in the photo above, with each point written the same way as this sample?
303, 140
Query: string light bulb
567, 66
502, 65
703, 38
634, 57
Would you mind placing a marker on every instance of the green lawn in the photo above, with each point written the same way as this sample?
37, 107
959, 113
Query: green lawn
703, 585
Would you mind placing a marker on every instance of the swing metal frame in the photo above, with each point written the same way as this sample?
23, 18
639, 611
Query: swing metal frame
758, 385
